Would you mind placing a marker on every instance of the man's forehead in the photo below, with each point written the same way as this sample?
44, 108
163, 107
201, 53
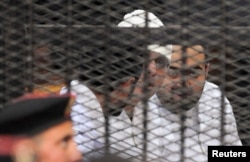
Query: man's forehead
193, 54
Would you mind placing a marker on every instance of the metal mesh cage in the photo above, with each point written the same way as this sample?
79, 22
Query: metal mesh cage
46, 44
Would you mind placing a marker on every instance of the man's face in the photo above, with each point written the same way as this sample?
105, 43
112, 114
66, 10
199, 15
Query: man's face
56, 145
155, 74
185, 78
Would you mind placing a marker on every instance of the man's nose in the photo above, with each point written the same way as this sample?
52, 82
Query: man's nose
176, 85
181, 81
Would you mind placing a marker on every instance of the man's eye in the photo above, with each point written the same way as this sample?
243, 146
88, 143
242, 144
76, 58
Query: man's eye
194, 73
173, 72
65, 141
161, 62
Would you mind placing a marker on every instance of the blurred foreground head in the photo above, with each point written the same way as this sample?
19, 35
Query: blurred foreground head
38, 128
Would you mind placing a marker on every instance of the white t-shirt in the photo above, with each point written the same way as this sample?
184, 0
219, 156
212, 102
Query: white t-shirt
202, 127
89, 125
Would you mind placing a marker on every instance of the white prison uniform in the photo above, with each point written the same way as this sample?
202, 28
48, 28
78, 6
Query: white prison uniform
202, 127
89, 125
153, 131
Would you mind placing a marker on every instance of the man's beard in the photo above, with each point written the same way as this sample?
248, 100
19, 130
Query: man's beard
177, 103
115, 109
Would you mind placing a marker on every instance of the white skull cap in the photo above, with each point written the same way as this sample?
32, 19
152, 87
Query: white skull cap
137, 18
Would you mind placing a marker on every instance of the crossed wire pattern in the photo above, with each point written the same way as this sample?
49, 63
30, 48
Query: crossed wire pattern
68, 45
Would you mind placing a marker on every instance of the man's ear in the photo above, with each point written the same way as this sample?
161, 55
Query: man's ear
24, 151
127, 86
129, 81
207, 66
132, 80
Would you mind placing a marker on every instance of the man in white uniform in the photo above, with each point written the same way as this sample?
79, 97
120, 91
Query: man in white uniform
186, 112
98, 124
99, 119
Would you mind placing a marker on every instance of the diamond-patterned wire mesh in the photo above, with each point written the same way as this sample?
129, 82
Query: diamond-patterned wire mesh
46, 44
